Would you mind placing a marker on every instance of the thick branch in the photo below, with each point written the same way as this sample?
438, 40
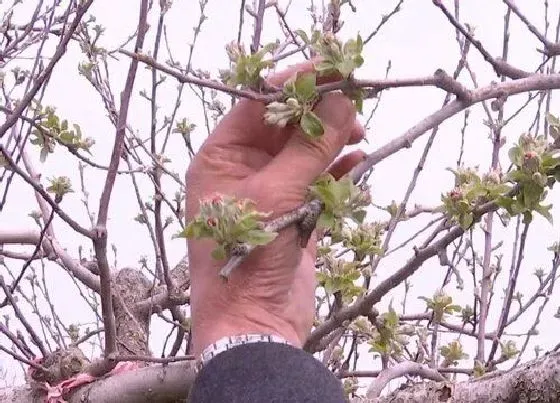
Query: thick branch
536, 381
162, 384
161, 299
535, 82
399, 370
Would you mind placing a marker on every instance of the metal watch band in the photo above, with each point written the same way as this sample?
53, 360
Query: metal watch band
229, 342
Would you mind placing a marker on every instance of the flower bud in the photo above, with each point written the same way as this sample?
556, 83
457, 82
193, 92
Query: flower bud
234, 51
456, 194
292, 103
216, 199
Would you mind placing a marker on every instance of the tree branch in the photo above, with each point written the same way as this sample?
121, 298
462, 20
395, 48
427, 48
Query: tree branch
550, 48
100, 238
39, 189
501, 67
27, 237
398, 370
38, 83
534, 381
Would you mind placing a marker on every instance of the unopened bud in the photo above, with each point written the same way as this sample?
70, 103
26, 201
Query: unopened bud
292, 103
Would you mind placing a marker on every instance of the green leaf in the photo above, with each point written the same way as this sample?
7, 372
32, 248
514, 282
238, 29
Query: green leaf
324, 68
346, 68
78, 130
326, 220
514, 154
391, 318
305, 86
260, 237
454, 308
302, 35
552, 120
311, 125
324, 191
180, 234
359, 216
315, 36
466, 220
358, 61
545, 212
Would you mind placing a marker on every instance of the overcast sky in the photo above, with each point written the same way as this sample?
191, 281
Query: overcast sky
417, 41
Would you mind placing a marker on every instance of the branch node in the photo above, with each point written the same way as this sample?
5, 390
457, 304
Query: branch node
447, 83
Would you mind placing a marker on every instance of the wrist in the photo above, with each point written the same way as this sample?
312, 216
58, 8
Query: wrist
210, 328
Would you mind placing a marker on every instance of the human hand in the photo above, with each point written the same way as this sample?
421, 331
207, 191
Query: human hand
273, 291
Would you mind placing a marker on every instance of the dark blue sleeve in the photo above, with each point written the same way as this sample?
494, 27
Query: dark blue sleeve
266, 373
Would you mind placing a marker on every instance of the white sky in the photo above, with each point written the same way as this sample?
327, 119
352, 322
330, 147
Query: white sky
417, 41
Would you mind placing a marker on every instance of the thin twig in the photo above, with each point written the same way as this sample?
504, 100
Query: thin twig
38, 83
21, 317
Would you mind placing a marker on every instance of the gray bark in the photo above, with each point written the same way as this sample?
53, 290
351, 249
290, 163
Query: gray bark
536, 381
155, 384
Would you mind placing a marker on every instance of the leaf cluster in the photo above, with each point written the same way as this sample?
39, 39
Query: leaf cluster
336, 58
536, 168
364, 241
338, 275
508, 350
300, 92
59, 186
389, 336
440, 304
341, 199
246, 67
452, 353
470, 191
50, 129
229, 222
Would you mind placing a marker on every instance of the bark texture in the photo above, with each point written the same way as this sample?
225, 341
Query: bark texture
154, 384
536, 381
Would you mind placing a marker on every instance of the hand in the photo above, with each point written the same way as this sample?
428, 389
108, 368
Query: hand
273, 291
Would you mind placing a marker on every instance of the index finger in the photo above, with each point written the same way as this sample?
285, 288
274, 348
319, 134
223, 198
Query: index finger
308, 66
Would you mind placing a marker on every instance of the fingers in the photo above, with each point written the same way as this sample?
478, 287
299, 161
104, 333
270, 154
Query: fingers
308, 66
244, 124
303, 159
344, 164
358, 133
279, 78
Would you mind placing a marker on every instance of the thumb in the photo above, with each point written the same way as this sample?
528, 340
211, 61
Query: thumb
303, 159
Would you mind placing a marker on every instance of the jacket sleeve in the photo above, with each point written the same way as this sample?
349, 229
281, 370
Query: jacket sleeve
263, 373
